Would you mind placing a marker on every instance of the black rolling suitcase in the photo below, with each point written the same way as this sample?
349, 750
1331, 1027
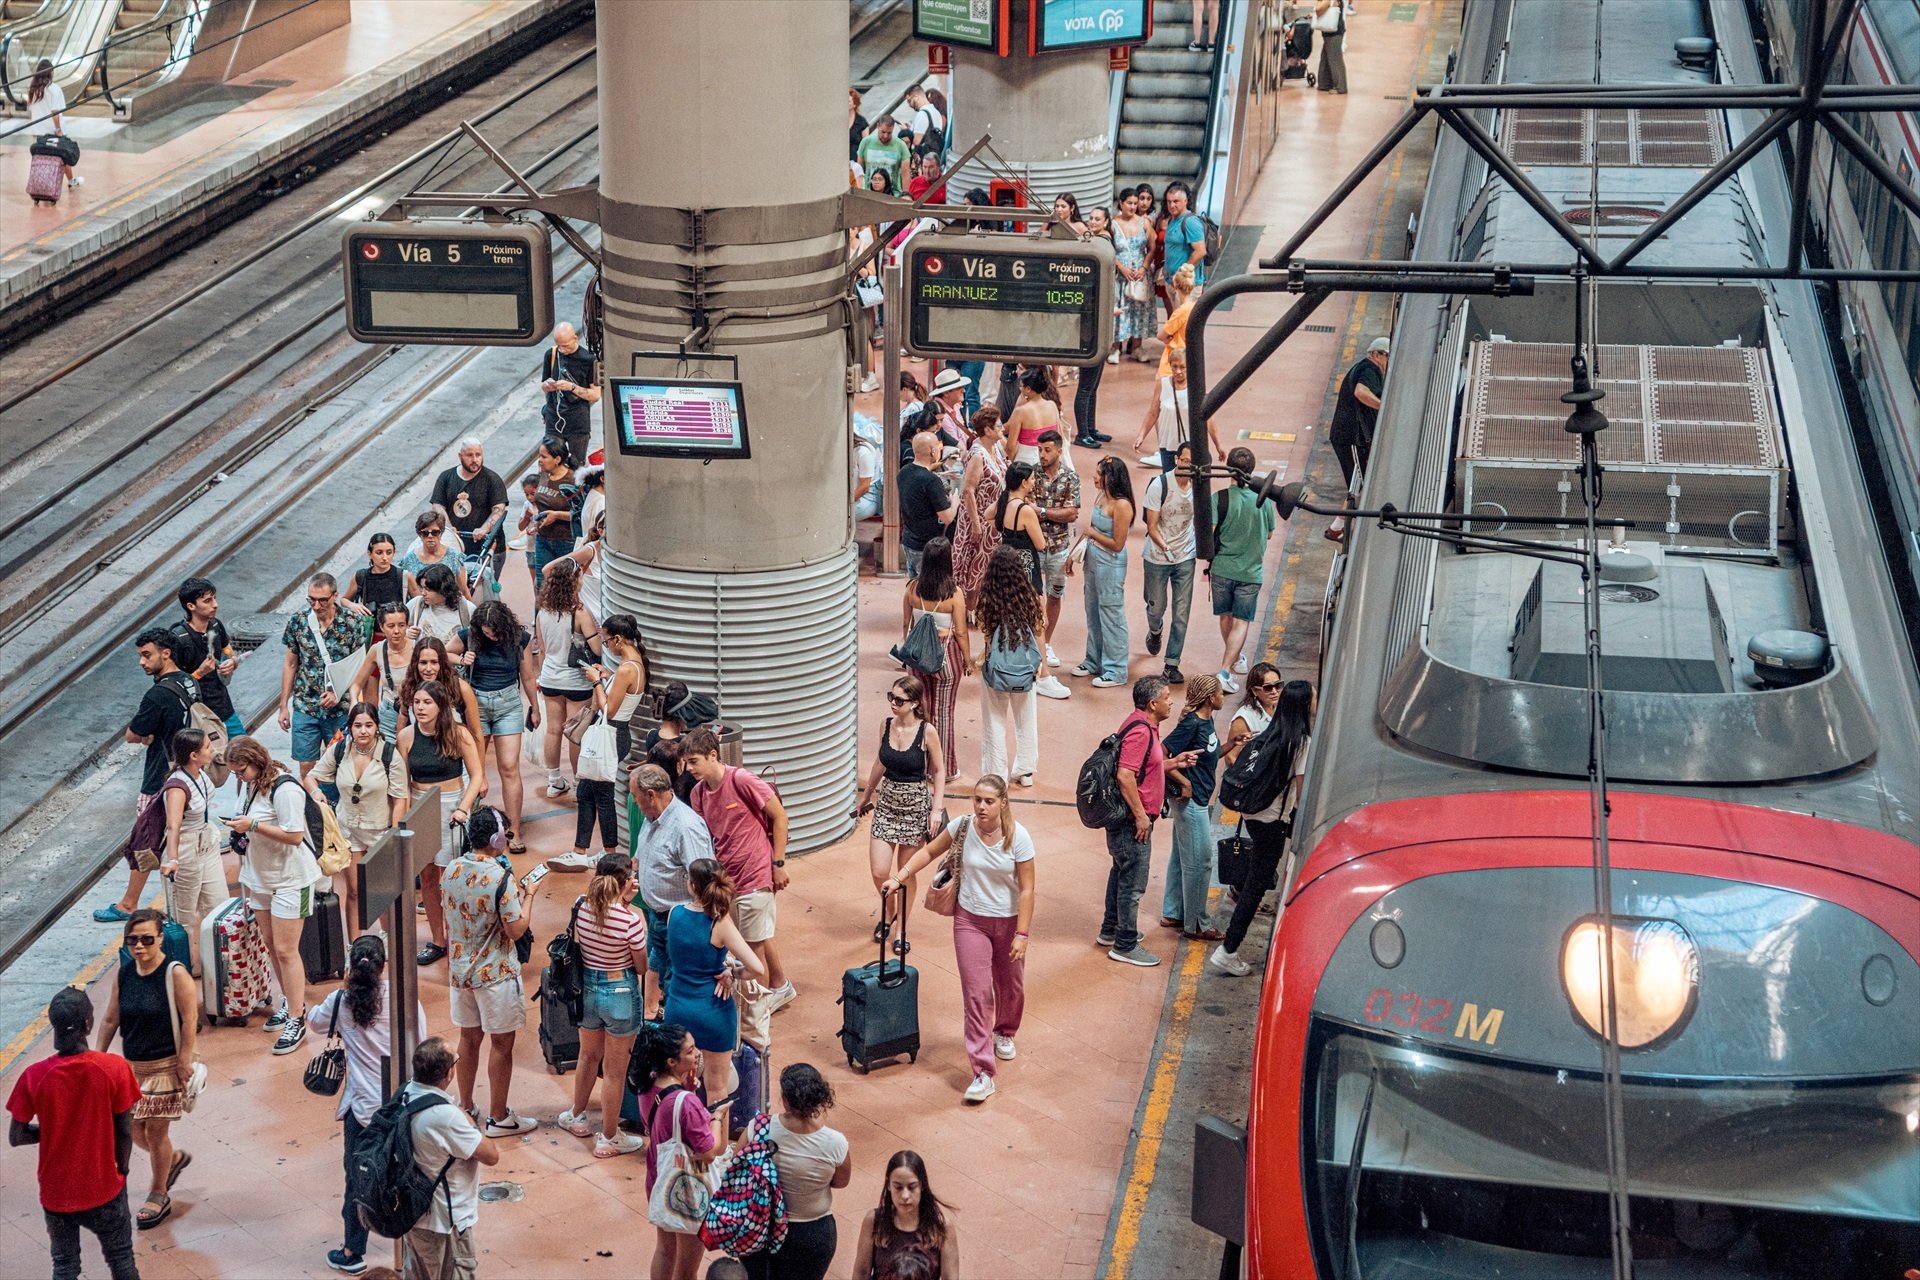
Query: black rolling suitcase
323, 940
880, 1006
559, 1029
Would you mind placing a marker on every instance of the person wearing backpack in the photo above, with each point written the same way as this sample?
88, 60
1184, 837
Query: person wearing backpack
448, 1148
1186, 238
205, 651
279, 873
193, 842
371, 779
356, 1016
1268, 826
814, 1161
1141, 771
165, 709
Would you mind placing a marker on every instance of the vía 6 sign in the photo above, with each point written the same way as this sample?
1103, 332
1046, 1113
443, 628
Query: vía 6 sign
449, 282
993, 296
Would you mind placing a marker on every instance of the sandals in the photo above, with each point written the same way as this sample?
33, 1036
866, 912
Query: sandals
432, 953
1172, 922
515, 845
181, 1159
146, 1221
1204, 935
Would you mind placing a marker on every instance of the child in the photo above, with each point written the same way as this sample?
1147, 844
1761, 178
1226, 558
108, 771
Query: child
380, 583
529, 484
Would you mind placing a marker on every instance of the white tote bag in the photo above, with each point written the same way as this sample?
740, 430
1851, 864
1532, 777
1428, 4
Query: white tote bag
599, 752
340, 671
680, 1191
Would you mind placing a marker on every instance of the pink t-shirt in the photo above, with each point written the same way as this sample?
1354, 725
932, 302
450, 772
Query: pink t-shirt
1141, 753
736, 816
696, 1126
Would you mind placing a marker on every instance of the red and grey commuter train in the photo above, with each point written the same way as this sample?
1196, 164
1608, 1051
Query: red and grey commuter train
1427, 1083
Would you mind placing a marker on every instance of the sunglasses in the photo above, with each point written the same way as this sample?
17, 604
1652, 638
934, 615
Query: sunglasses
431, 533
1268, 687
319, 599
897, 700
141, 939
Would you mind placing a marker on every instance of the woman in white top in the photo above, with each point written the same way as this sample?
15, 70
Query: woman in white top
47, 103
371, 776
199, 880
1256, 710
357, 1013
995, 866
278, 872
441, 612
813, 1161
563, 686
385, 666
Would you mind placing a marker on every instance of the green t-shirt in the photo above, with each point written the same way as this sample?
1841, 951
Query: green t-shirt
1242, 537
891, 156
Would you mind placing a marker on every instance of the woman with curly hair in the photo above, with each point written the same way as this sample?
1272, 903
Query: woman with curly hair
814, 1161
974, 533
1011, 619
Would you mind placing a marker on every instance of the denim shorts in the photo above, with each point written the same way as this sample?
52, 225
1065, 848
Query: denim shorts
312, 734
612, 1004
501, 710
1238, 598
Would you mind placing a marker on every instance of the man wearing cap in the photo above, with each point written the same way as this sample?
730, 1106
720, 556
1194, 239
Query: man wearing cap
1355, 411
77, 1107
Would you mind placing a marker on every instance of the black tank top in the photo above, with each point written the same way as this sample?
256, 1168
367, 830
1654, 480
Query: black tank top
1016, 537
146, 1025
426, 766
909, 765
381, 588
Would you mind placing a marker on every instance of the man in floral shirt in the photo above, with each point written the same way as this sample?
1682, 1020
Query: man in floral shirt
310, 706
484, 917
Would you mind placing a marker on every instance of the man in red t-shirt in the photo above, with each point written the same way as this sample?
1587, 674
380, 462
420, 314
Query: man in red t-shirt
749, 829
1142, 774
77, 1106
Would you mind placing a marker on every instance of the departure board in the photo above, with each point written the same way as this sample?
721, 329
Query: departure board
448, 282
993, 296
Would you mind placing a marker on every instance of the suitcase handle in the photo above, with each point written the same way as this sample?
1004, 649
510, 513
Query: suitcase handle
901, 945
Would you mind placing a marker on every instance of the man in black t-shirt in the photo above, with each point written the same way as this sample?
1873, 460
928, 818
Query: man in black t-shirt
472, 498
572, 386
162, 713
205, 652
926, 508
1356, 408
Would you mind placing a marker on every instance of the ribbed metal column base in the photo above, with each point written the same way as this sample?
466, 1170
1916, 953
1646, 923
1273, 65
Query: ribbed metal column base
1089, 177
779, 651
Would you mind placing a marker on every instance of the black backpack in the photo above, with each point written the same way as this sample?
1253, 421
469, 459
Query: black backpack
565, 979
316, 840
1097, 795
384, 1182
1258, 774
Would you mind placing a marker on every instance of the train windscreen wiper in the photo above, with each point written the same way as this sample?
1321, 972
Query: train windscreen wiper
1353, 1176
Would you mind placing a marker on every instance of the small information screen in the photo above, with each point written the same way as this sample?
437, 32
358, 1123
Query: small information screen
449, 282
1058, 25
679, 417
977, 24
985, 295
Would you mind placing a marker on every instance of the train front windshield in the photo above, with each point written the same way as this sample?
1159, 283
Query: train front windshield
1470, 1167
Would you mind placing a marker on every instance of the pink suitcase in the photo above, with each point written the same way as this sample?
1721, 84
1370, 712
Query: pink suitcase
46, 179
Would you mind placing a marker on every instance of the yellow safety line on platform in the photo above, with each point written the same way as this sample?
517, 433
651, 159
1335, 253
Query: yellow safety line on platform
84, 979
1153, 1125
1282, 609
1284, 437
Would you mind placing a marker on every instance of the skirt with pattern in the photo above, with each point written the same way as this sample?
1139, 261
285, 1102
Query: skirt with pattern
161, 1097
900, 811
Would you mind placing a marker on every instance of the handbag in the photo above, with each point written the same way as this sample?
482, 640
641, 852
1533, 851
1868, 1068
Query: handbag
340, 672
943, 891
1236, 856
868, 289
56, 144
922, 651
197, 1073
599, 752
328, 1069
577, 723
1139, 290
1333, 21
681, 1192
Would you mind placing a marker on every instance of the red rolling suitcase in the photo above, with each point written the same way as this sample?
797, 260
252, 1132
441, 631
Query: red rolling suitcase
46, 179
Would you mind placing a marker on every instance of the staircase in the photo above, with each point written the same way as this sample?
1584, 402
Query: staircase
1163, 117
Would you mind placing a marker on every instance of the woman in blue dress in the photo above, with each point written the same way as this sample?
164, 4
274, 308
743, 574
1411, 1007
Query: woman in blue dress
700, 982
1132, 234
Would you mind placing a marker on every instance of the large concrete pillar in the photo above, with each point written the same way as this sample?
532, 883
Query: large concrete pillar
743, 574
1048, 117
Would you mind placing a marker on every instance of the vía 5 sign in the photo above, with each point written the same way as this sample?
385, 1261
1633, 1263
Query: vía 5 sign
1432, 1014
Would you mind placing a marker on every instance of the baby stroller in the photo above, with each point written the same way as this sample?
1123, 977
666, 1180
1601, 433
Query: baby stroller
1299, 48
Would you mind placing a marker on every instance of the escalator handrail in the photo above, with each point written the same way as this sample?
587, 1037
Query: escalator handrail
1222, 23
159, 20
40, 18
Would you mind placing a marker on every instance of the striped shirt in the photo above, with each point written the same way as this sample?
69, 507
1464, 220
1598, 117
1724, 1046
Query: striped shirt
610, 945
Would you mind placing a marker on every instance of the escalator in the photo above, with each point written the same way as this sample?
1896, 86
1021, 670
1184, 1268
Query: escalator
107, 54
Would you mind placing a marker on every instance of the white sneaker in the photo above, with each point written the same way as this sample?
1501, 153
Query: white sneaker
1107, 682
780, 997
1240, 665
556, 787
1003, 1048
1050, 687
574, 862
577, 1125
1083, 671
870, 383
519, 543
1227, 683
620, 1144
981, 1089
76, 181
1113, 357
1150, 460
511, 1125
1224, 961
1053, 659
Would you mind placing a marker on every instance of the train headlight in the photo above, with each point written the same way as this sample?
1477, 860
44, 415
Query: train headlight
1656, 970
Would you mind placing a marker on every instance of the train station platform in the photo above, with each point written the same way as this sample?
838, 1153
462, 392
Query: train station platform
1078, 1166
232, 144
